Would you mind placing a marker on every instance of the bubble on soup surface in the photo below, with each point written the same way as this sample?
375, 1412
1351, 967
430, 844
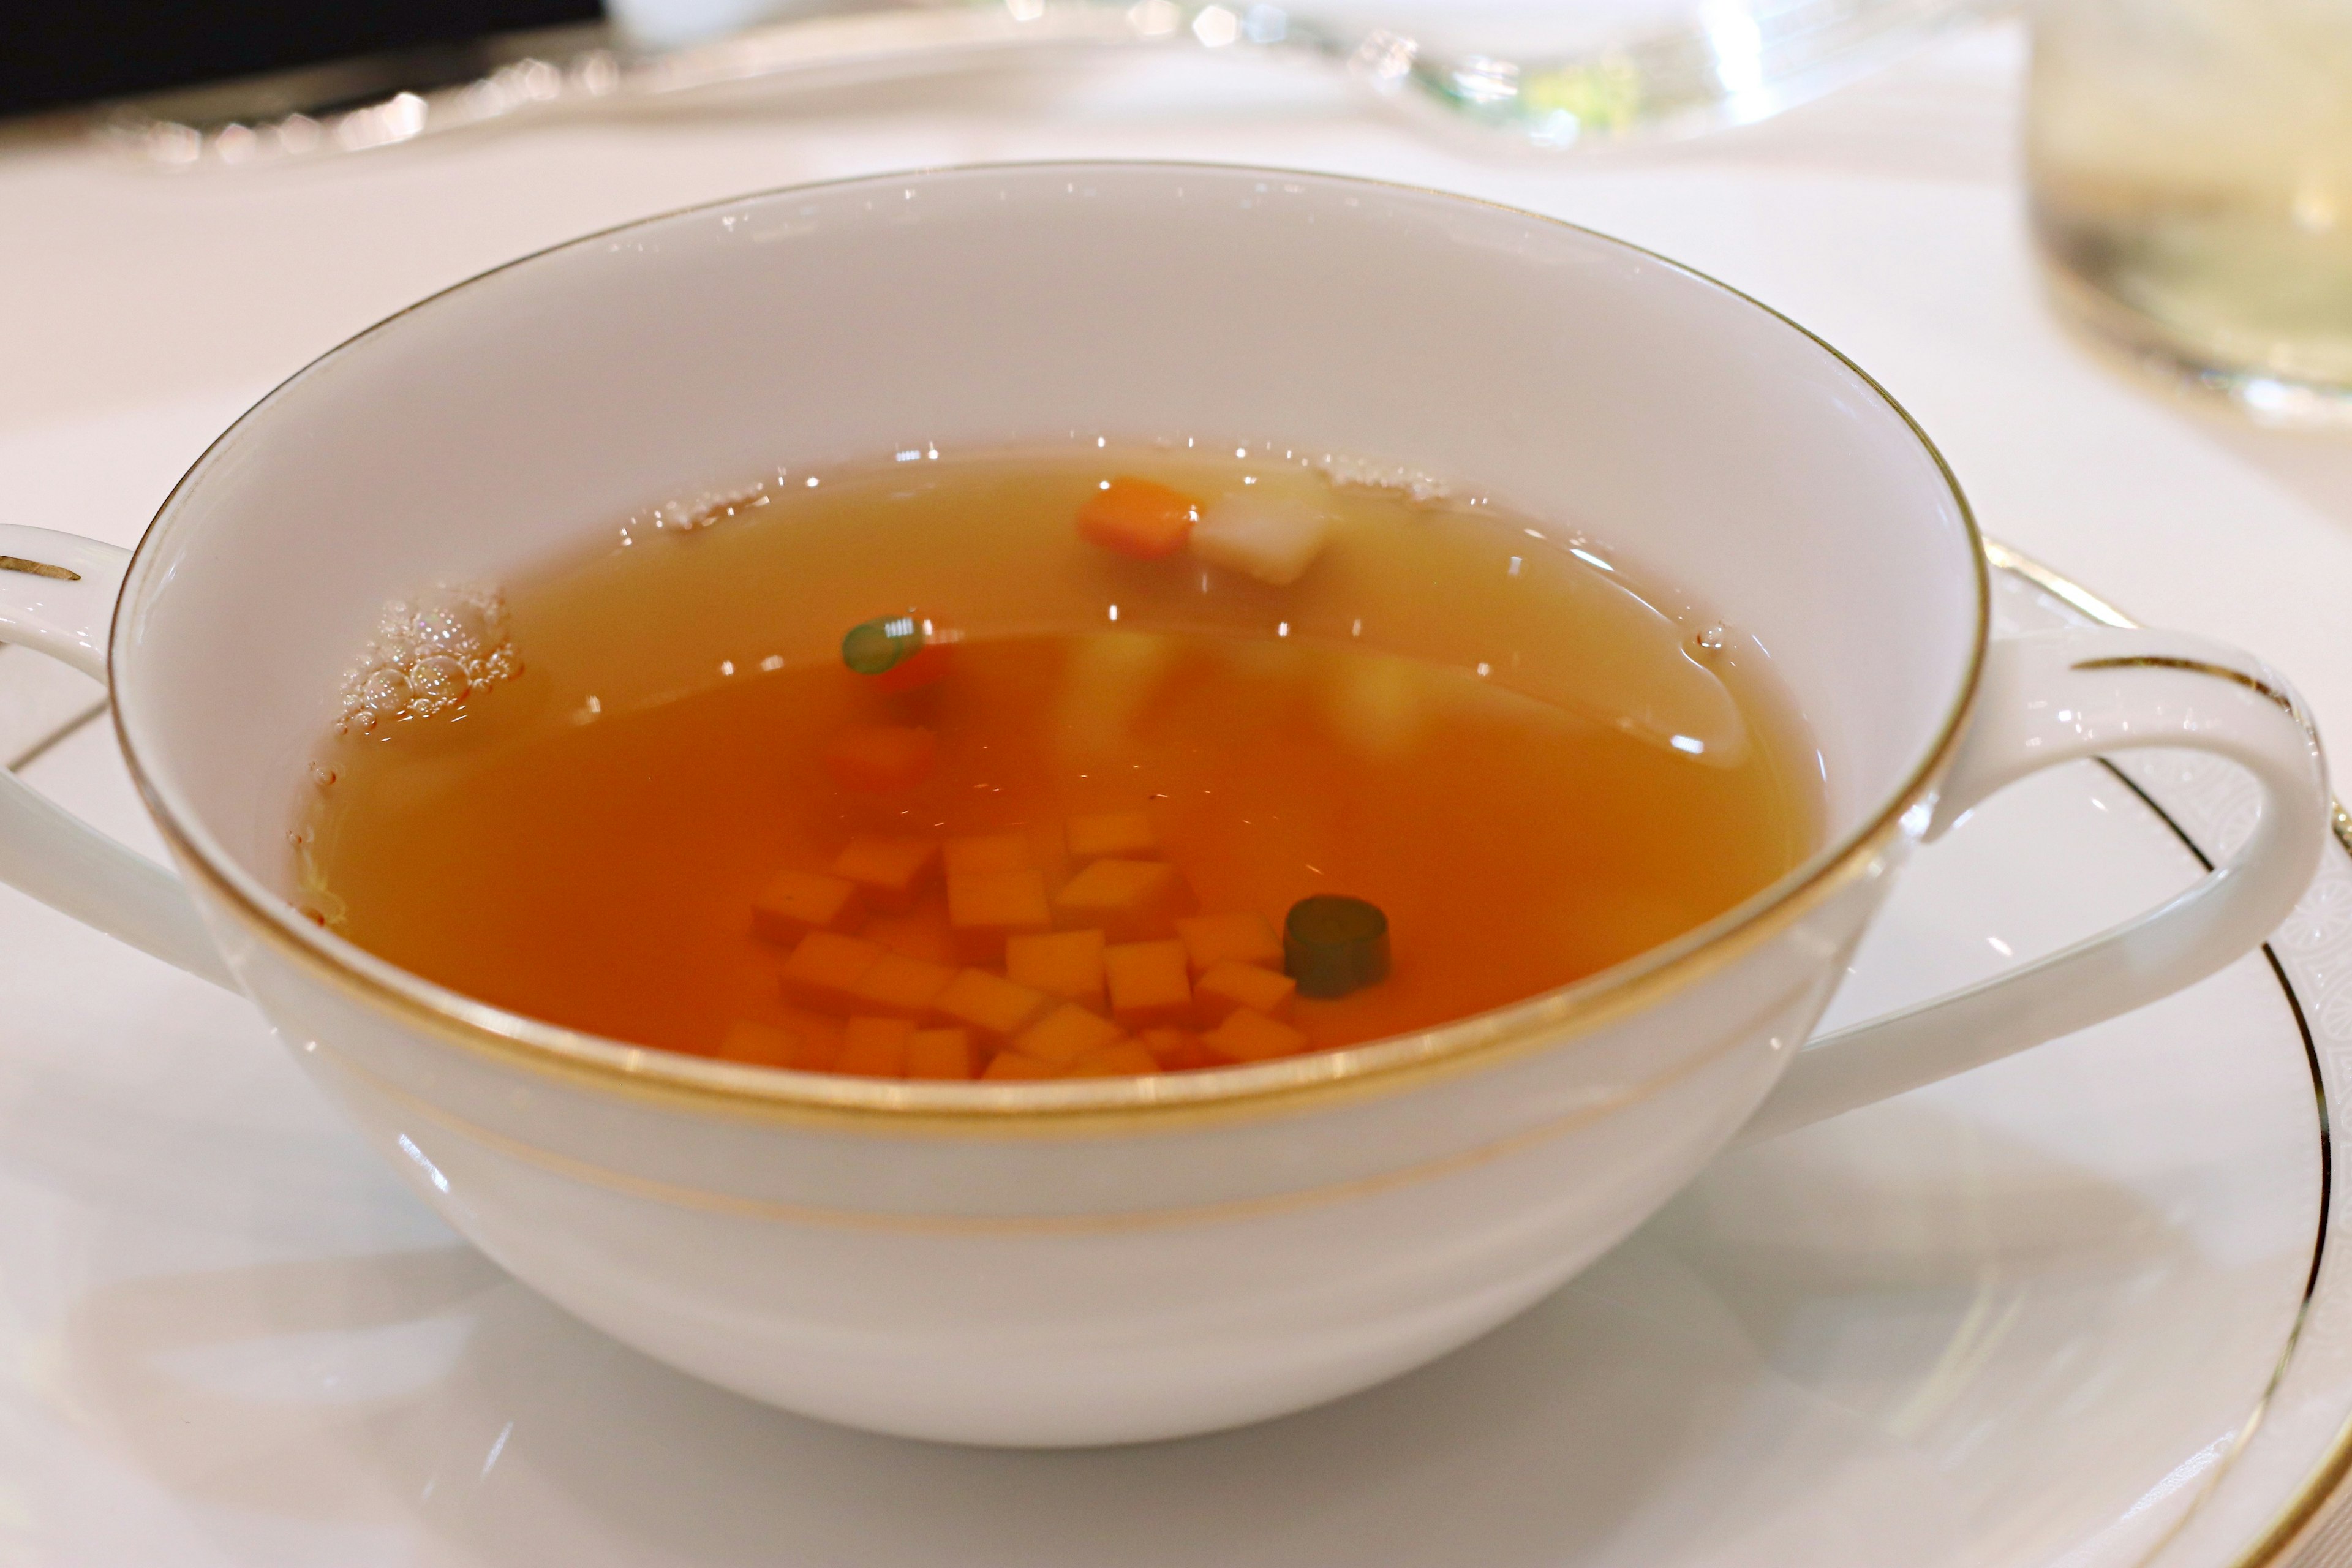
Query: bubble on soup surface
435, 682
386, 691
687, 516
429, 655
1369, 473
458, 628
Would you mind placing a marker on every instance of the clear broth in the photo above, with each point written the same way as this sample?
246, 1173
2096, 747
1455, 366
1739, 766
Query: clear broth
1534, 765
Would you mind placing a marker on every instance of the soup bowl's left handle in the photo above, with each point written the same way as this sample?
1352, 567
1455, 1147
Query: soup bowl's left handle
57, 597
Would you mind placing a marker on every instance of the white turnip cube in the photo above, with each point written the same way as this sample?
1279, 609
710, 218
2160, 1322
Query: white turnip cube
1273, 539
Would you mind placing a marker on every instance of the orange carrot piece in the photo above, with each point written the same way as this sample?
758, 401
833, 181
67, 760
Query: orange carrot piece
980, 853
824, 971
939, 1054
921, 933
1064, 1034
1068, 964
1116, 835
875, 1047
796, 903
759, 1045
900, 986
1228, 985
888, 871
986, 907
1121, 1058
1178, 1050
879, 758
819, 1046
1211, 940
1014, 1065
988, 1004
1138, 517
1148, 984
1247, 1036
1128, 900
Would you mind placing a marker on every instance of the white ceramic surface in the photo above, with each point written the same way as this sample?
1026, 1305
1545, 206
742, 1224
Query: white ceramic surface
2021, 1318
1094, 1263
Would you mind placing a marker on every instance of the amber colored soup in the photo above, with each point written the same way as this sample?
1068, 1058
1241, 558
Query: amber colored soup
1533, 763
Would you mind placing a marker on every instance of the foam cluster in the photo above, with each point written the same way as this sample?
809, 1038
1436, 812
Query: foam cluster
427, 655
1370, 474
689, 515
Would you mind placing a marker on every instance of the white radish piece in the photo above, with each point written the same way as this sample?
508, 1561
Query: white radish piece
1272, 539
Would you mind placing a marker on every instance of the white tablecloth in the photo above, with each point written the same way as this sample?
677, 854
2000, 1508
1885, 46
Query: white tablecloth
141, 310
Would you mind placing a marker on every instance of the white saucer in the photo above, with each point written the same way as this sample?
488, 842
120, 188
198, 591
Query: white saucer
2084, 1307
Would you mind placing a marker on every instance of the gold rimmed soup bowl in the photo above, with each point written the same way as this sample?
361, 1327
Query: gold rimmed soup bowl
1119, 1260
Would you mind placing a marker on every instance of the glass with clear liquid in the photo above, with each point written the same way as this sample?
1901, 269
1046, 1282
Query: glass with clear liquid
2191, 162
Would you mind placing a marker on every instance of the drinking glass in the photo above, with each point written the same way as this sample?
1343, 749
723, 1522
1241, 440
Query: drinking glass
2190, 164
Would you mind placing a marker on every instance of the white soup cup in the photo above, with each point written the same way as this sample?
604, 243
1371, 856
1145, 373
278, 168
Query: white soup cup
1106, 1261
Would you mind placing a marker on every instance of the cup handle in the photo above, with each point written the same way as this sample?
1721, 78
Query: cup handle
57, 597
2056, 697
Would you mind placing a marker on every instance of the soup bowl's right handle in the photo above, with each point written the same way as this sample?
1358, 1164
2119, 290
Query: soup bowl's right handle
2057, 697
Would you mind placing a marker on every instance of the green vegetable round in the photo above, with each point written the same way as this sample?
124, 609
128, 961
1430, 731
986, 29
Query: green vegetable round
879, 646
1333, 945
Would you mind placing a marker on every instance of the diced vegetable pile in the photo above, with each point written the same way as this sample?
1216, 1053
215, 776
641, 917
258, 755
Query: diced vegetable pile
1113, 972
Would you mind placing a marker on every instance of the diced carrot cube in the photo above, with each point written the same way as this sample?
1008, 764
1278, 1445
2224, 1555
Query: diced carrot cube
1212, 940
901, 986
798, 902
889, 871
761, 1045
1014, 1065
1228, 985
875, 1047
988, 1004
923, 933
1130, 901
941, 1054
824, 971
1148, 984
878, 758
1138, 517
1178, 1050
985, 852
986, 907
1068, 964
818, 1050
1247, 1036
818, 1033
1064, 1034
1121, 1058
1119, 835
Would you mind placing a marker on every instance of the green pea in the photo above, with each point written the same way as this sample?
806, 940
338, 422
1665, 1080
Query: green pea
1334, 945
875, 646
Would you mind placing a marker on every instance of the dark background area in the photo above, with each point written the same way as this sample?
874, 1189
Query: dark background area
55, 53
